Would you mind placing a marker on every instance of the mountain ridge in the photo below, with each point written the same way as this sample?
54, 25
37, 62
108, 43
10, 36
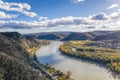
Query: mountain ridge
66, 36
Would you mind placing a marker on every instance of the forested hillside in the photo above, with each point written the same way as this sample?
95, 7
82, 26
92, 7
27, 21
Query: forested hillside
15, 60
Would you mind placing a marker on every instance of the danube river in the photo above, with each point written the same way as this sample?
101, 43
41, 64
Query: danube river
80, 70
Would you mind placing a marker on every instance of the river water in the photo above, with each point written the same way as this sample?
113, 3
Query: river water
80, 70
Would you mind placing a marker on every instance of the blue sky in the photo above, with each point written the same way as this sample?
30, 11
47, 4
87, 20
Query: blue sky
33, 16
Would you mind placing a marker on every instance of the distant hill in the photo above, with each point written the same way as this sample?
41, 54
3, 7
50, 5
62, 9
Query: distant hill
111, 40
78, 36
66, 36
110, 36
108, 39
50, 35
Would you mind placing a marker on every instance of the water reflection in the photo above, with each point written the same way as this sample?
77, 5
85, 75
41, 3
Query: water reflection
51, 59
80, 70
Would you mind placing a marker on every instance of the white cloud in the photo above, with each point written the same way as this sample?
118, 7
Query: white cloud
113, 6
18, 24
30, 14
77, 1
99, 21
42, 18
66, 21
19, 7
4, 15
100, 16
115, 15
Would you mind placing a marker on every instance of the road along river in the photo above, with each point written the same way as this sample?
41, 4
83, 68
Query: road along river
80, 70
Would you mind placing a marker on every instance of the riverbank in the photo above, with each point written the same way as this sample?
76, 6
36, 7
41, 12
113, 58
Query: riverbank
104, 56
48, 70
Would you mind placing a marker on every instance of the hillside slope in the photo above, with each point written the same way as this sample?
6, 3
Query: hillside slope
110, 36
111, 40
15, 62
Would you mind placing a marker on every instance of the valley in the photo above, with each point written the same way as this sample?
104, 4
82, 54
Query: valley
59, 39
80, 57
